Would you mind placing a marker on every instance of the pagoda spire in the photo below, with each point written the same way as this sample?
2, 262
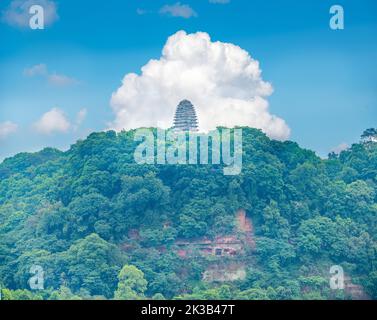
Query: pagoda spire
185, 117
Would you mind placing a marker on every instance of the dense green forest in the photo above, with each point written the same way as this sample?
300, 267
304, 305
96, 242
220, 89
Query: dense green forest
104, 227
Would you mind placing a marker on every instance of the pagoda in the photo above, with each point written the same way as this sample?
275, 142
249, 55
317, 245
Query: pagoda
185, 117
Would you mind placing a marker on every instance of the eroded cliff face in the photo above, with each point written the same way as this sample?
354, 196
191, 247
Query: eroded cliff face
243, 223
231, 245
227, 251
354, 291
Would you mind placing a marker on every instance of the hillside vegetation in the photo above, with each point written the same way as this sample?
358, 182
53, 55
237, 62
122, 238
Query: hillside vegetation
104, 227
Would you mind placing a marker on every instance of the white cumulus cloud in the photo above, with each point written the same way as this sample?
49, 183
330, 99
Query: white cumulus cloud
17, 13
37, 70
52, 121
7, 128
61, 80
178, 10
220, 79
41, 70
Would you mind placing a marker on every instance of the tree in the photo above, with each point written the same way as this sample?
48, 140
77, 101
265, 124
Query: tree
20, 295
369, 135
158, 297
275, 225
64, 293
253, 294
371, 284
131, 285
91, 263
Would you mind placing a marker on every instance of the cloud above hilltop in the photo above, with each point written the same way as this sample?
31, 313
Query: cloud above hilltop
52, 121
7, 128
56, 121
222, 80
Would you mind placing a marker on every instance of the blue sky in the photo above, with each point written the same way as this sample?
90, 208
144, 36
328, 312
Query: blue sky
325, 81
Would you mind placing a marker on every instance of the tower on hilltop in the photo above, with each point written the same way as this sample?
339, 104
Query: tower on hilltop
185, 117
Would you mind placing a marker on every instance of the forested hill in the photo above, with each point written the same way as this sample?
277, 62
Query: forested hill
102, 226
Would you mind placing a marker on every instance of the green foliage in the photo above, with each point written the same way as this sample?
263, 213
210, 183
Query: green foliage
64, 293
85, 213
19, 295
93, 265
131, 285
